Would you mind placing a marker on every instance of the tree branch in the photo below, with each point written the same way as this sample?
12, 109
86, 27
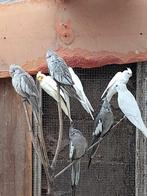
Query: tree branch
98, 142
54, 162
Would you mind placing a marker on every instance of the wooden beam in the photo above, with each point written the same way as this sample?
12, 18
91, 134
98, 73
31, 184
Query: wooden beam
141, 144
15, 145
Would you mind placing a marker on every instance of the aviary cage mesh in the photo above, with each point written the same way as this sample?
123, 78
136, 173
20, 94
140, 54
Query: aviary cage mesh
112, 172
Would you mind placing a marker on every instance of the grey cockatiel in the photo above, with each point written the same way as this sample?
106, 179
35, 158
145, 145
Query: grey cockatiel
58, 69
78, 146
102, 124
25, 86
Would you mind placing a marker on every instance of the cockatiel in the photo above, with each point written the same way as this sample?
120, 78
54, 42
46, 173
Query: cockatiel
49, 85
121, 77
77, 148
129, 107
58, 69
25, 86
102, 125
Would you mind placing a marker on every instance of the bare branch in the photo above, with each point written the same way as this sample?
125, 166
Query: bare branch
54, 162
98, 142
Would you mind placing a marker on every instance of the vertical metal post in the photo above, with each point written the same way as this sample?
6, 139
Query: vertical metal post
37, 166
141, 144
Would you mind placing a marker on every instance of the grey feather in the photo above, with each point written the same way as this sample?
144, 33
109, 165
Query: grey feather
58, 68
102, 125
59, 71
75, 174
25, 86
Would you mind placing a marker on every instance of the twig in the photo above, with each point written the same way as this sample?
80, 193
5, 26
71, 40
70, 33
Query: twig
68, 166
53, 165
65, 168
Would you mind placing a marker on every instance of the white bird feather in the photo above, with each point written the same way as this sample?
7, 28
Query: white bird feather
129, 107
80, 92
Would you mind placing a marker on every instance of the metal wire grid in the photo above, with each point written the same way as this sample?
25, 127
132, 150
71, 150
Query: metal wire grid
113, 169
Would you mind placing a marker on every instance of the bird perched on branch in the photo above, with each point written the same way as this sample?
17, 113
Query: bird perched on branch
80, 92
49, 85
58, 69
121, 77
25, 86
129, 107
78, 146
102, 125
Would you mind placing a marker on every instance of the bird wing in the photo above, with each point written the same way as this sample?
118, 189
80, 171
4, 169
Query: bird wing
71, 150
80, 92
130, 108
61, 73
112, 81
98, 128
49, 86
28, 85
128, 104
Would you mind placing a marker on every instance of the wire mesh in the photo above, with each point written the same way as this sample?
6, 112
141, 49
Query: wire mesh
112, 172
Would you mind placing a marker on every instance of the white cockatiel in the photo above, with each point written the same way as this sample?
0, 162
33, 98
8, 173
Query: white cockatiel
121, 77
49, 85
80, 92
129, 107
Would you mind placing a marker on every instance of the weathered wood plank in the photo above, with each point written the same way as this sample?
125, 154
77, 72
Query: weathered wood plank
141, 144
15, 145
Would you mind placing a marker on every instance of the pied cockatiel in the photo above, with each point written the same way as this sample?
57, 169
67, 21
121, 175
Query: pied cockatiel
102, 125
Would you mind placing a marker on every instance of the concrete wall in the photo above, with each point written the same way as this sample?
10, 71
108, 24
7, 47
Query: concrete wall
88, 33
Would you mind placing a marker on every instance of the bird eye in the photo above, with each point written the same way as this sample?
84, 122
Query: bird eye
73, 133
49, 55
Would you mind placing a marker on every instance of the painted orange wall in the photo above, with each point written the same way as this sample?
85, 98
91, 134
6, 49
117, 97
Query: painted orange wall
86, 33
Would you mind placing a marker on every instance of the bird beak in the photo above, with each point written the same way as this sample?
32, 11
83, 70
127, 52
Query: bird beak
39, 78
11, 73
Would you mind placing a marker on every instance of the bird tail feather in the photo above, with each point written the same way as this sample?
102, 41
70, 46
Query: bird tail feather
85, 106
34, 101
144, 131
71, 91
89, 104
94, 149
75, 174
